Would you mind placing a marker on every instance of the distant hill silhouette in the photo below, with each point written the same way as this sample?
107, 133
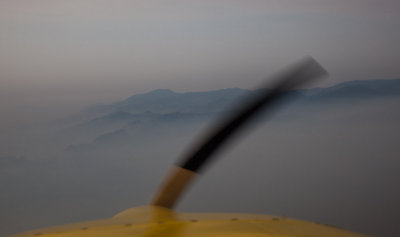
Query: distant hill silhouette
359, 89
145, 114
162, 102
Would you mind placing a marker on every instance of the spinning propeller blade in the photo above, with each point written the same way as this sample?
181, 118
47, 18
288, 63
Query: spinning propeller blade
188, 168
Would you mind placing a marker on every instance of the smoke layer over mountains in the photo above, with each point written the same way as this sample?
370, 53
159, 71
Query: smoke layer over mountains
331, 156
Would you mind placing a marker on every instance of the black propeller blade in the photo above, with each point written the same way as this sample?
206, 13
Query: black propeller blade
298, 75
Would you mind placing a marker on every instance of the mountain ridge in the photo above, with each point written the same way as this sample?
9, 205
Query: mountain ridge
165, 101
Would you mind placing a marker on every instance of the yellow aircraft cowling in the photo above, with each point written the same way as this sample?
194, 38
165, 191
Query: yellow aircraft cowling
150, 221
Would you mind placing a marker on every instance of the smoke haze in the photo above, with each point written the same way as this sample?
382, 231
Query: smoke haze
329, 161
71, 150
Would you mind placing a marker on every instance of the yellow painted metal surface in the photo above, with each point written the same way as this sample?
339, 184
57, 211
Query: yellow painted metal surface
151, 221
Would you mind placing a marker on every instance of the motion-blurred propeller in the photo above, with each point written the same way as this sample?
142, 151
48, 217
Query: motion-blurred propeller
183, 173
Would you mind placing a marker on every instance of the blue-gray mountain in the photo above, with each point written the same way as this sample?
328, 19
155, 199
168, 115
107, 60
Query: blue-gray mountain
159, 109
172, 105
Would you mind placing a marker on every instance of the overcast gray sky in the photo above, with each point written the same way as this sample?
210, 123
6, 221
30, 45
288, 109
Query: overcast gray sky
79, 52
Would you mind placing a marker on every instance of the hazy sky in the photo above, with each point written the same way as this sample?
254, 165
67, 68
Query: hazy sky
78, 52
